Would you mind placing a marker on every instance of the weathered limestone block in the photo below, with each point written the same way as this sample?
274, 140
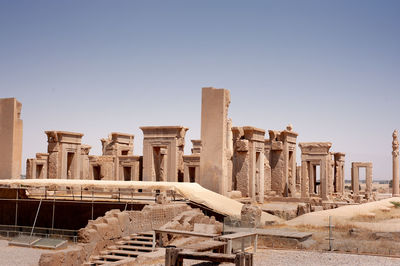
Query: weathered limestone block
303, 208
88, 235
277, 172
285, 210
216, 140
72, 256
10, 138
242, 145
250, 216
206, 228
103, 230
162, 198
187, 220
123, 219
241, 170
235, 194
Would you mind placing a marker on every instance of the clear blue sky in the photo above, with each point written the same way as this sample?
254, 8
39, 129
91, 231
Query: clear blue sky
330, 68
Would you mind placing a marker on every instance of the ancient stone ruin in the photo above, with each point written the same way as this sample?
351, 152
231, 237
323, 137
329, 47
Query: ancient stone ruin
10, 138
236, 161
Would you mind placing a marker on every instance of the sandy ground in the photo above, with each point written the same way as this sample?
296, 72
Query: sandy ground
379, 215
19, 256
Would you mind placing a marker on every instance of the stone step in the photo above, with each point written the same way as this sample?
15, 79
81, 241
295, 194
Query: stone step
138, 248
104, 252
111, 258
98, 262
135, 242
128, 253
148, 233
142, 238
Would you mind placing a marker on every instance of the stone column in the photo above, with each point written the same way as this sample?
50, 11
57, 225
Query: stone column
324, 179
213, 158
304, 179
395, 155
368, 181
354, 179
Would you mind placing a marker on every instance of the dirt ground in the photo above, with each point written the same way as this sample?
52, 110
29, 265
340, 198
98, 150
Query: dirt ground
293, 257
19, 256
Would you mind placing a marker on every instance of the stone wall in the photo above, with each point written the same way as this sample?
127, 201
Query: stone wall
106, 230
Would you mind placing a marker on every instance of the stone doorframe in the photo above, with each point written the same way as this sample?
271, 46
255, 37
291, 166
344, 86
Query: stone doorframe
314, 153
355, 179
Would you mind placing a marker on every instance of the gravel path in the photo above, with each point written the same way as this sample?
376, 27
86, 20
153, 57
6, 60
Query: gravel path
290, 258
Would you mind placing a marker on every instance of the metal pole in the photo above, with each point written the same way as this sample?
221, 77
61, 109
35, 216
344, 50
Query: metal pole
131, 199
16, 209
37, 213
92, 202
54, 207
330, 233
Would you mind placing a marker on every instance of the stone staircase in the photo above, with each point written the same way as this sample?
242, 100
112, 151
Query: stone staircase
129, 247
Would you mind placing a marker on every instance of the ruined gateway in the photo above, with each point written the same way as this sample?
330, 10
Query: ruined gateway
235, 161
117, 198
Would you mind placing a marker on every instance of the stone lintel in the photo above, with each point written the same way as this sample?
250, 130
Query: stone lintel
289, 135
101, 158
196, 142
122, 138
164, 131
339, 156
315, 147
249, 133
254, 134
42, 155
361, 164
129, 158
191, 158
64, 137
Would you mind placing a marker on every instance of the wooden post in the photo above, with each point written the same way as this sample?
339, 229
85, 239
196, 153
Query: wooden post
248, 259
171, 257
160, 242
229, 247
239, 259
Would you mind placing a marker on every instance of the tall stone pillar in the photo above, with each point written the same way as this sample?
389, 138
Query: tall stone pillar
354, 179
305, 193
368, 181
214, 157
10, 138
395, 154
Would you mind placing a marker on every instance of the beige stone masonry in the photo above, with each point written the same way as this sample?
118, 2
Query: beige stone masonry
216, 139
10, 138
163, 148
